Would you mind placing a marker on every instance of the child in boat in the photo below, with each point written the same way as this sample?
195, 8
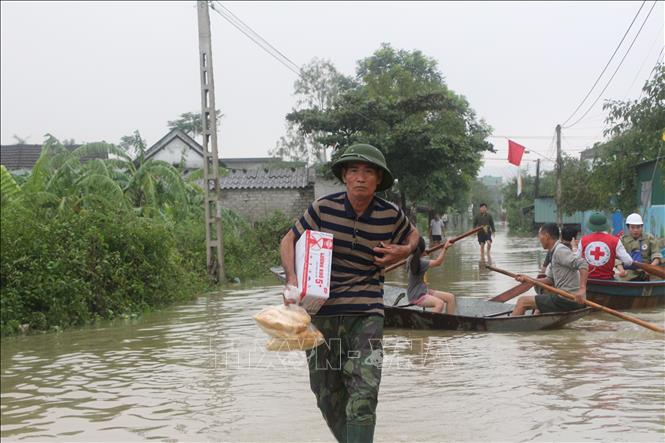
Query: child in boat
418, 292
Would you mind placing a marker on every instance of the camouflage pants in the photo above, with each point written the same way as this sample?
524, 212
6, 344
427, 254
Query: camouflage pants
345, 373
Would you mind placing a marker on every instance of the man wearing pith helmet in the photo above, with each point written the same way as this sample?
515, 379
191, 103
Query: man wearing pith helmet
369, 234
642, 247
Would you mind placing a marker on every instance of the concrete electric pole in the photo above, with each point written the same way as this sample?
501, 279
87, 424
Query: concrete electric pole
212, 204
559, 165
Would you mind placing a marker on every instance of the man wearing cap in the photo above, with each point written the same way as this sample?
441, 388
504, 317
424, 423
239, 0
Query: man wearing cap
369, 234
642, 248
601, 249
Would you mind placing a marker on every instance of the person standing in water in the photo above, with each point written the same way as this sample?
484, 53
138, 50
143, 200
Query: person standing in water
485, 220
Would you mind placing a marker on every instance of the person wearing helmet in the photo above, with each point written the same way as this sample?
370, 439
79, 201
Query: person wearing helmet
642, 248
369, 233
601, 250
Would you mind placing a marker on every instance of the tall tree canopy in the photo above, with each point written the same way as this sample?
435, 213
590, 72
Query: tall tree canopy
400, 103
318, 86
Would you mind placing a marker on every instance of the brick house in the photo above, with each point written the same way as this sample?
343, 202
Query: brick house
253, 187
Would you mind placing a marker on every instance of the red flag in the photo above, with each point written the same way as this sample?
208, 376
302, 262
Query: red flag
515, 152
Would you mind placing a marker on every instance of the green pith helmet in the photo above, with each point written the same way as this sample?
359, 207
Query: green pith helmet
366, 154
598, 222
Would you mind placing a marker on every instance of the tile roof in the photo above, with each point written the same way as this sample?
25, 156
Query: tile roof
23, 156
266, 178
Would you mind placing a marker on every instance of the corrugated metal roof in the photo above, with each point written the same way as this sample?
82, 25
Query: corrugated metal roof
266, 178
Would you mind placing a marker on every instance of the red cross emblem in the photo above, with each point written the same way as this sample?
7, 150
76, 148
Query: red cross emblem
597, 253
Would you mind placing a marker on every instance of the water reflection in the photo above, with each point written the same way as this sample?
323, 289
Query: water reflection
198, 372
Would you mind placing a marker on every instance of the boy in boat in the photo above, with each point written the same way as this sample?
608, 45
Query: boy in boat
485, 220
369, 234
642, 248
601, 249
417, 291
566, 271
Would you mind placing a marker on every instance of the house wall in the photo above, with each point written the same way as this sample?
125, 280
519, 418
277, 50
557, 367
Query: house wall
173, 153
255, 204
324, 187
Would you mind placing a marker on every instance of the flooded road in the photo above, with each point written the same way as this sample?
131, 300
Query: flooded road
197, 372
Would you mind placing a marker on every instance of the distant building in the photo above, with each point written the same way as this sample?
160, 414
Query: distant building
22, 157
178, 148
252, 187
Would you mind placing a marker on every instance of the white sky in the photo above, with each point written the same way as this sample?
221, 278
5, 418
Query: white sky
99, 70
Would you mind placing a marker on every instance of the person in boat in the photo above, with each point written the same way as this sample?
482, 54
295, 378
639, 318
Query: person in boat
568, 238
436, 226
418, 291
484, 219
600, 249
369, 234
566, 271
642, 248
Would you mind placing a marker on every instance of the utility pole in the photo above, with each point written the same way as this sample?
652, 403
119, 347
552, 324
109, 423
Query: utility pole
536, 185
212, 204
559, 164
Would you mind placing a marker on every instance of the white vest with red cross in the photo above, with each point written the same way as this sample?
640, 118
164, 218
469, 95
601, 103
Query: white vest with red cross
599, 250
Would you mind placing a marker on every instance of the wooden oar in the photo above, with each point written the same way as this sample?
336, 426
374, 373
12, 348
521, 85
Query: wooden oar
437, 247
570, 296
512, 293
651, 269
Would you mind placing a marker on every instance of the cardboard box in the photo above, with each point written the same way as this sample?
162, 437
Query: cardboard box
313, 263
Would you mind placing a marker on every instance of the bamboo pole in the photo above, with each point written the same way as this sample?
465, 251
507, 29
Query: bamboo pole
437, 247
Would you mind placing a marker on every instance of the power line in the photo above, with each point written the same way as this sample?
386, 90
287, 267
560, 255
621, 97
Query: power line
652, 71
257, 35
653, 44
503, 159
542, 137
256, 38
616, 70
606, 65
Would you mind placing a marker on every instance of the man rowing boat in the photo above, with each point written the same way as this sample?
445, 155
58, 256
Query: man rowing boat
566, 271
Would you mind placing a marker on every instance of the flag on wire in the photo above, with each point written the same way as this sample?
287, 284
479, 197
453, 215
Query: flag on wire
515, 152
519, 182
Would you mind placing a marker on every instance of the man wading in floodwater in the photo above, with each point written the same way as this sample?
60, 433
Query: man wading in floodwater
369, 234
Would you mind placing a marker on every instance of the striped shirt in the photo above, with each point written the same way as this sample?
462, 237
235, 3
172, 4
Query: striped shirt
356, 283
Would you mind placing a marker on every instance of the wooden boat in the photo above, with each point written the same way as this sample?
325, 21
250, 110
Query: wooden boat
627, 294
472, 314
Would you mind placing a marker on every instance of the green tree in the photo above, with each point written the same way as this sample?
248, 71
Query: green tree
635, 127
190, 123
318, 87
519, 209
401, 104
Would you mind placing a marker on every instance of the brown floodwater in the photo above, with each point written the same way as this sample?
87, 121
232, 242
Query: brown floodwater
198, 372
